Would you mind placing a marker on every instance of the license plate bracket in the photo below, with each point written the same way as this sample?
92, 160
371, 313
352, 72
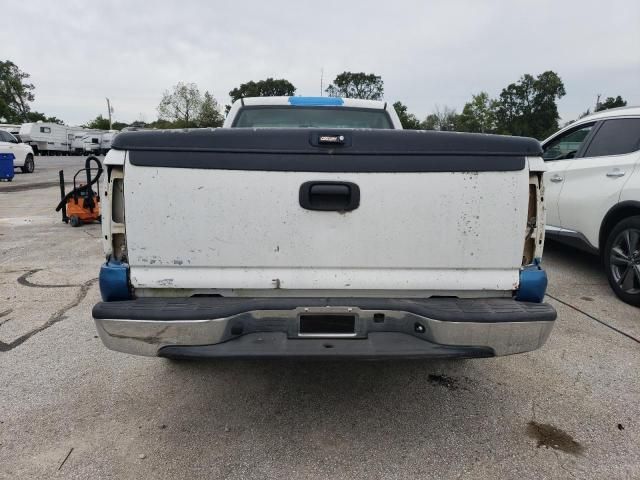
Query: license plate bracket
327, 325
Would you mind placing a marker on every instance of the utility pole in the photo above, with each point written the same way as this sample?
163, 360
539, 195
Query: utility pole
321, 79
109, 110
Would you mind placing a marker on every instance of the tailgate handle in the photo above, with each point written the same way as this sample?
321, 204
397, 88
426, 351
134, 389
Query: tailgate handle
329, 196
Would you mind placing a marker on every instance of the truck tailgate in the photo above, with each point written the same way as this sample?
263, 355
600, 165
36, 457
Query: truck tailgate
224, 210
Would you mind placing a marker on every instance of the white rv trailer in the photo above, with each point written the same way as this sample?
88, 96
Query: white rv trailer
47, 138
91, 143
77, 142
107, 138
79, 136
97, 142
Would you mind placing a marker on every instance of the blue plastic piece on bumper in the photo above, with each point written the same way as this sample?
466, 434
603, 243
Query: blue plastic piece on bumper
114, 281
316, 101
533, 284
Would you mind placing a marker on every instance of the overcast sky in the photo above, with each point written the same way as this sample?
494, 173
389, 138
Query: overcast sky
428, 52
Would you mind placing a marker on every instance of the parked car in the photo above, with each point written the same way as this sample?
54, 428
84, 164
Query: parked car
352, 238
22, 152
592, 190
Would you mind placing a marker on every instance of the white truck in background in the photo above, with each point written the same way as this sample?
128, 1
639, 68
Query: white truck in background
12, 128
317, 228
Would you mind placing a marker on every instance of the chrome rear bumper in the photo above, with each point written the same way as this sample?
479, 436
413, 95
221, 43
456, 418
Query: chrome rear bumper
271, 327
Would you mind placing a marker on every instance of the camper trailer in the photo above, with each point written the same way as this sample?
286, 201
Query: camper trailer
79, 136
77, 142
91, 143
47, 138
107, 138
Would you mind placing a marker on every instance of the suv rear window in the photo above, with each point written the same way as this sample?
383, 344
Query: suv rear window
312, 117
615, 137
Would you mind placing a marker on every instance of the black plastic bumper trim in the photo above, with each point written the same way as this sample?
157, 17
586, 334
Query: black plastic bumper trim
444, 309
286, 162
276, 345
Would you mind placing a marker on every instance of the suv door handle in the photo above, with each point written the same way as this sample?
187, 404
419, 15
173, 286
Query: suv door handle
615, 173
556, 178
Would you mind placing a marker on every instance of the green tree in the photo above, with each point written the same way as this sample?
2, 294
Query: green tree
409, 120
209, 114
357, 85
181, 105
610, 102
160, 124
478, 115
101, 123
431, 122
264, 88
528, 107
98, 123
41, 117
15, 93
444, 120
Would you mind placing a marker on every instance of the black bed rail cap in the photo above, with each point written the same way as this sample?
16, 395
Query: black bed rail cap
304, 141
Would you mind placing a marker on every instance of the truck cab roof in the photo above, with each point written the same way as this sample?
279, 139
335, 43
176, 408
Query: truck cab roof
304, 102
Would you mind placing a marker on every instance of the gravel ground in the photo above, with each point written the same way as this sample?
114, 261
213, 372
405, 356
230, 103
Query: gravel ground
70, 408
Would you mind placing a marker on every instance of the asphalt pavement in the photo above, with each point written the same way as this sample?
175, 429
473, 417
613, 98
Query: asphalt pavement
70, 408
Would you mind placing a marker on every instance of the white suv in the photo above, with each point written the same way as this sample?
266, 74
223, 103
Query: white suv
592, 194
22, 152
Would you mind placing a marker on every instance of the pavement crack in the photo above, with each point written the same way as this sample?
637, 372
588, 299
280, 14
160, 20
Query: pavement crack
53, 319
602, 322
6, 312
22, 280
65, 458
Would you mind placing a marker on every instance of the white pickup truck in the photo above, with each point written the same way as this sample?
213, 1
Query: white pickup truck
345, 238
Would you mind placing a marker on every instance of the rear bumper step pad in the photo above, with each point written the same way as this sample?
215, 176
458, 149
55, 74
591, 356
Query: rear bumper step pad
445, 309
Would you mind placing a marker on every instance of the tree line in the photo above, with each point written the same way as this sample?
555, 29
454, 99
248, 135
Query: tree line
527, 107
16, 94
